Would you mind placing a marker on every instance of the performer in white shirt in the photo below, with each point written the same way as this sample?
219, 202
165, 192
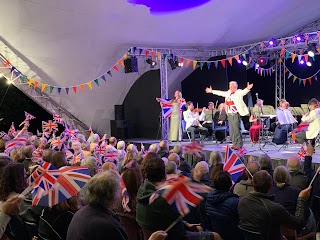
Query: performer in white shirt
313, 118
192, 122
235, 108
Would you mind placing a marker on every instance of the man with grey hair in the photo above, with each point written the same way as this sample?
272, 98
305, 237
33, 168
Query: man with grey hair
175, 158
95, 220
171, 168
235, 108
298, 179
200, 173
92, 165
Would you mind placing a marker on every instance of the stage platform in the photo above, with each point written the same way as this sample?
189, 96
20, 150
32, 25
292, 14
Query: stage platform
279, 157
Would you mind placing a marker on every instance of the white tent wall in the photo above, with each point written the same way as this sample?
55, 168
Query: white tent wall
72, 42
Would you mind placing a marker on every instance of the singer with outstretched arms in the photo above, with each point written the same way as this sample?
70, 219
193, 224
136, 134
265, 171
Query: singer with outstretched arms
235, 108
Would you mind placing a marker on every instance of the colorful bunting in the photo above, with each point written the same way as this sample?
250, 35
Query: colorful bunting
201, 65
293, 56
103, 77
59, 90
223, 62
188, 62
67, 90
115, 68
96, 81
43, 86
82, 87
121, 63
230, 61
51, 89
208, 64
35, 84
194, 64
74, 89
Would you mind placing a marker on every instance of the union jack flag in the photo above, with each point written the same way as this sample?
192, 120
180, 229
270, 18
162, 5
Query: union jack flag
77, 158
70, 132
242, 151
302, 153
57, 118
12, 130
15, 143
3, 134
180, 193
29, 116
58, 142
233, 164
49, 126
166, 106
125, 196
44, 176
230, 107
193, 148
182, 102
100, 150
111, 157
37, 155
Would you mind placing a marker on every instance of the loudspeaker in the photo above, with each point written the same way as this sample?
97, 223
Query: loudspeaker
118, 112
120, 129
131, 65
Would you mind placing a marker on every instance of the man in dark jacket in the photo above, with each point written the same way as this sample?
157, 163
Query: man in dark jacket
258, 213
298, 179
96, 221
159, 215
164, 149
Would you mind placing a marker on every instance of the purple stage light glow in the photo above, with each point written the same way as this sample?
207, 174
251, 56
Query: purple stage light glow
168, 6
271, 43
301, 62
239, 61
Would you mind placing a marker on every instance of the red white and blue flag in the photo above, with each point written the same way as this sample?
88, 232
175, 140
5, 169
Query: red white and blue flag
29, 116
57, 118
70, 132
49, 126
125, 196
100, 150
242, 151
166, 106
302, 153
39, 170
193, 148
12, 130
57, 143
77, 158
230, 106
233, 164
111, 157
180, 193
37, 155
15, 143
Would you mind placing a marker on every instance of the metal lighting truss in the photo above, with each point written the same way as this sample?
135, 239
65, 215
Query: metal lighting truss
164, 95
41, 98
280, 86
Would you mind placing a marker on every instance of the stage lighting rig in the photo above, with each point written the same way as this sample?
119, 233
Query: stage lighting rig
300, 38
312, 49
174, 63
272, 42
151, 62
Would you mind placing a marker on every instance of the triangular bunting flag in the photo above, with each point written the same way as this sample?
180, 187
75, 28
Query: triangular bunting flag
299, 58
300, 81
290, 75
230, 61
172, 56
216, 64
304, 82
43, 86
103, 78
264, 72
194, 64
223, 62
282, 52
121, 63
287, 55
293, 56
316, 78
30, 82
159, 56
294, 78
280, 60
6, 64
208, 64
74, 89
59, 90
201, 65
286, 70
147, 52
82, 87
109, 72
17, 73
35, 84
181, 60
261, 69
129, 50
140, 50
89, 85
115, 68
134, 49
12, 69
187, 62
236, 57
164, 56
96, 81
67, 91
310, 81
152, 54
270, 71
51, 89
125, 56
306, 57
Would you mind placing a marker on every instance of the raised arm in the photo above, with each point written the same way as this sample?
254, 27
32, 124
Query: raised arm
309, 117
216, 92
245, 91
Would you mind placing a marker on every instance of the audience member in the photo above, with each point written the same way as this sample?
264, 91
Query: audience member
59, 159
175, 158
298, 179
47, 155
27, 156
113, 144
92, 165
222, 207
163, 149
258, 213
215, 169
244, 187
131, 154
215, 157
96, 220
200, 173
185, 169
154, 148
2, 147
121, 145
171, 169
109, 166
266, 163
178, 149
165, 160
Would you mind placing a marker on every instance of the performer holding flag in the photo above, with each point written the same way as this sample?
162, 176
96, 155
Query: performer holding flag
235, 108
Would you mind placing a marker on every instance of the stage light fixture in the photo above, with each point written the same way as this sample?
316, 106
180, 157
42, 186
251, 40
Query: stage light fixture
300, 38
180, 64
172, 63
244, 62
301, 62
262, 61
309, 64
272, 42
151, 62
312, 49
9, 82
239, 61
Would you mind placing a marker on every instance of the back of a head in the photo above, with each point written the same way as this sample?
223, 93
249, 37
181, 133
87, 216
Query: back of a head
59, 159
154, 148
175, 158
28, 150
281, 176
47, 155
163, 145
265, 162
2, 145
177, 149
112, 141
222, 181
108, 166
121, 145
4, 161
132, 178
81, 138
202, 167
103, 190
293, 164
215, 169
153, 168
91, 163
253, 167
313, 101
262, 181
215, 157
171, 167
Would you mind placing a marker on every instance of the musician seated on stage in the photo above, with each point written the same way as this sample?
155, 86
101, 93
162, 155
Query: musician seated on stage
192, 122
313, 118
220, 117
207, 116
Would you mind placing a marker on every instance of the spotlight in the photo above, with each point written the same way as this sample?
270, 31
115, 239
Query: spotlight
180, 64
300, 38
9, 82
312, 49
244, 62
173, 64
301, 62
151, 62
309, 64
262, 61
272, 42
239, 61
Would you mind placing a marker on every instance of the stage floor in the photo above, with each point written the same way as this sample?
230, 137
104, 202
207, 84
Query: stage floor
271, 150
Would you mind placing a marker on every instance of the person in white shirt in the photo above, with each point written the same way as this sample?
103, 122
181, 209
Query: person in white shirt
192, 122
313, 118
235, 108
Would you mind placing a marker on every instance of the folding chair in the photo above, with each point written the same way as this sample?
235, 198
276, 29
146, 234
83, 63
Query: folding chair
184, 130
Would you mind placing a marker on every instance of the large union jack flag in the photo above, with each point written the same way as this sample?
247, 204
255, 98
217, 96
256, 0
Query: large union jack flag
233, 164
193, 148
302, 153
37, 155
180, 193
111, 157
15, 143
49, 126
166, 106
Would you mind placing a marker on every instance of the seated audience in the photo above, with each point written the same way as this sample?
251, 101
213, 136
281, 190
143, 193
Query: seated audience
171, 170
222, 207
175, 158
47, 155
298, 179
200, 173
163, 149
215, 169
92, 165
113, 144
154, 148
109, 166
185, 169
178, 149
96, 220
159, 214
244, 187
258, 213
266, 163
59, 159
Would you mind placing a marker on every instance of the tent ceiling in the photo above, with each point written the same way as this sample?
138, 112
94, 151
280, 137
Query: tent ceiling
72, 42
